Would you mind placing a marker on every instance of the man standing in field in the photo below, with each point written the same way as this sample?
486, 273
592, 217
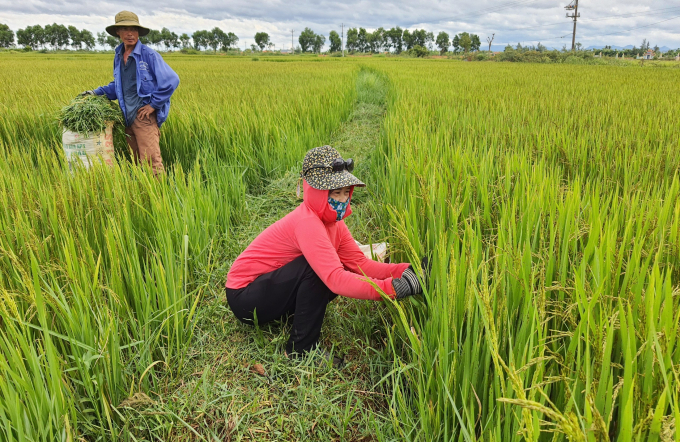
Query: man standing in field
142, 83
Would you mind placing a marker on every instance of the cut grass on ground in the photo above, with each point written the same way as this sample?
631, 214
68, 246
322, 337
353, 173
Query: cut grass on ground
221, 393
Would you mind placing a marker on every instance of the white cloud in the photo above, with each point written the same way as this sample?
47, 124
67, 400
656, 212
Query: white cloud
528, 21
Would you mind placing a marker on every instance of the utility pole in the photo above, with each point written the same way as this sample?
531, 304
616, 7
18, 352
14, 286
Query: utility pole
292, 46
573, 6
342, 39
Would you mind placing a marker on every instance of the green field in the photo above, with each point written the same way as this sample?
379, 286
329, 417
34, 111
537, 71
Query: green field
547, 197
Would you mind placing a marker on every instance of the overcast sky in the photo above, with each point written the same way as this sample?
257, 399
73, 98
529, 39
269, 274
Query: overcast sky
615, 22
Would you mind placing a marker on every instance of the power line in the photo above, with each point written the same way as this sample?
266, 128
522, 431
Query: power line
588, 20
632, 29
489, 10
545, 39
611, 33
636, 14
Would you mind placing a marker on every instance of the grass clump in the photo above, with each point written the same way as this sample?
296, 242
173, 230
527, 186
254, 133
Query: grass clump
89, 114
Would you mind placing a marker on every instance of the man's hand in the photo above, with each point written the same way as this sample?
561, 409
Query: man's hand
145, 112
84, 93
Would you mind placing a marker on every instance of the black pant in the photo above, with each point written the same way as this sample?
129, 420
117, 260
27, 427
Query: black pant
293, 289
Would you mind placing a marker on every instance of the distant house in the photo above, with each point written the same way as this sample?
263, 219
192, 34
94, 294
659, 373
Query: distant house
649, 55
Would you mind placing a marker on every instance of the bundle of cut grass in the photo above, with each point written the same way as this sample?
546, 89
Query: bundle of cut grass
89, 114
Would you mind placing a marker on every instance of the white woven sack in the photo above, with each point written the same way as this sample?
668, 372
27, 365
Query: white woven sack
88, 148
379, 250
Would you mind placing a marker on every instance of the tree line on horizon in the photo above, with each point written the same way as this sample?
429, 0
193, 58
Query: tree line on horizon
607, 51
357, 40
397, 40
56, 35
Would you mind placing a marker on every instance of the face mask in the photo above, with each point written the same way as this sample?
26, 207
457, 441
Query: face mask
339, 207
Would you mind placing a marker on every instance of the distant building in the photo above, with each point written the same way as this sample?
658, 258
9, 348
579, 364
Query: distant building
649, 55
286, 51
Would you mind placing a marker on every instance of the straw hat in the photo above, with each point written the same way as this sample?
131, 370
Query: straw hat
127, 18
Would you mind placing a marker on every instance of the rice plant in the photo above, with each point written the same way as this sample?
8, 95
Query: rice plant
546, 196
101, 270
550, 209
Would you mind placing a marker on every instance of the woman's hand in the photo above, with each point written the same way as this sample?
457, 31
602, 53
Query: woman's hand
408, 284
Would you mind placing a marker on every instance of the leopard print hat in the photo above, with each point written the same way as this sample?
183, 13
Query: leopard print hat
322, 177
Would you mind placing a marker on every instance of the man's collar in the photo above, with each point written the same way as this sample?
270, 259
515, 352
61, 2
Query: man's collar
137, 50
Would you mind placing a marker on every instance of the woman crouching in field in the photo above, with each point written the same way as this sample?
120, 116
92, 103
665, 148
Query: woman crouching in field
303, 261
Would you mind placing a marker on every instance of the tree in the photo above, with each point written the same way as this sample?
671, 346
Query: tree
228, 40
407, 38
645, 45
419, 37
101, 38
74, 35
319, 41
154, 37
215, 37
50, 36
476, 43
39, 36
465, 42
352, 43
87, 39
419, 51
371, 43
579, 46
200, 39
307, 39
56, 35
541, 48
335, 41
443, 42
6, 36
379, 39
169, 39
262, 40
112, 41
184, 38
105, 39
24, 39
362, 40
395, 37
429, 39
490, 40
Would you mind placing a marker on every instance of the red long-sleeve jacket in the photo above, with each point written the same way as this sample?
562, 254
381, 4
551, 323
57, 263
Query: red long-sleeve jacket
312, 230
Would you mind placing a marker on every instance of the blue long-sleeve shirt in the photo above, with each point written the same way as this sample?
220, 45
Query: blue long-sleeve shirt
156, 81
132, 101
